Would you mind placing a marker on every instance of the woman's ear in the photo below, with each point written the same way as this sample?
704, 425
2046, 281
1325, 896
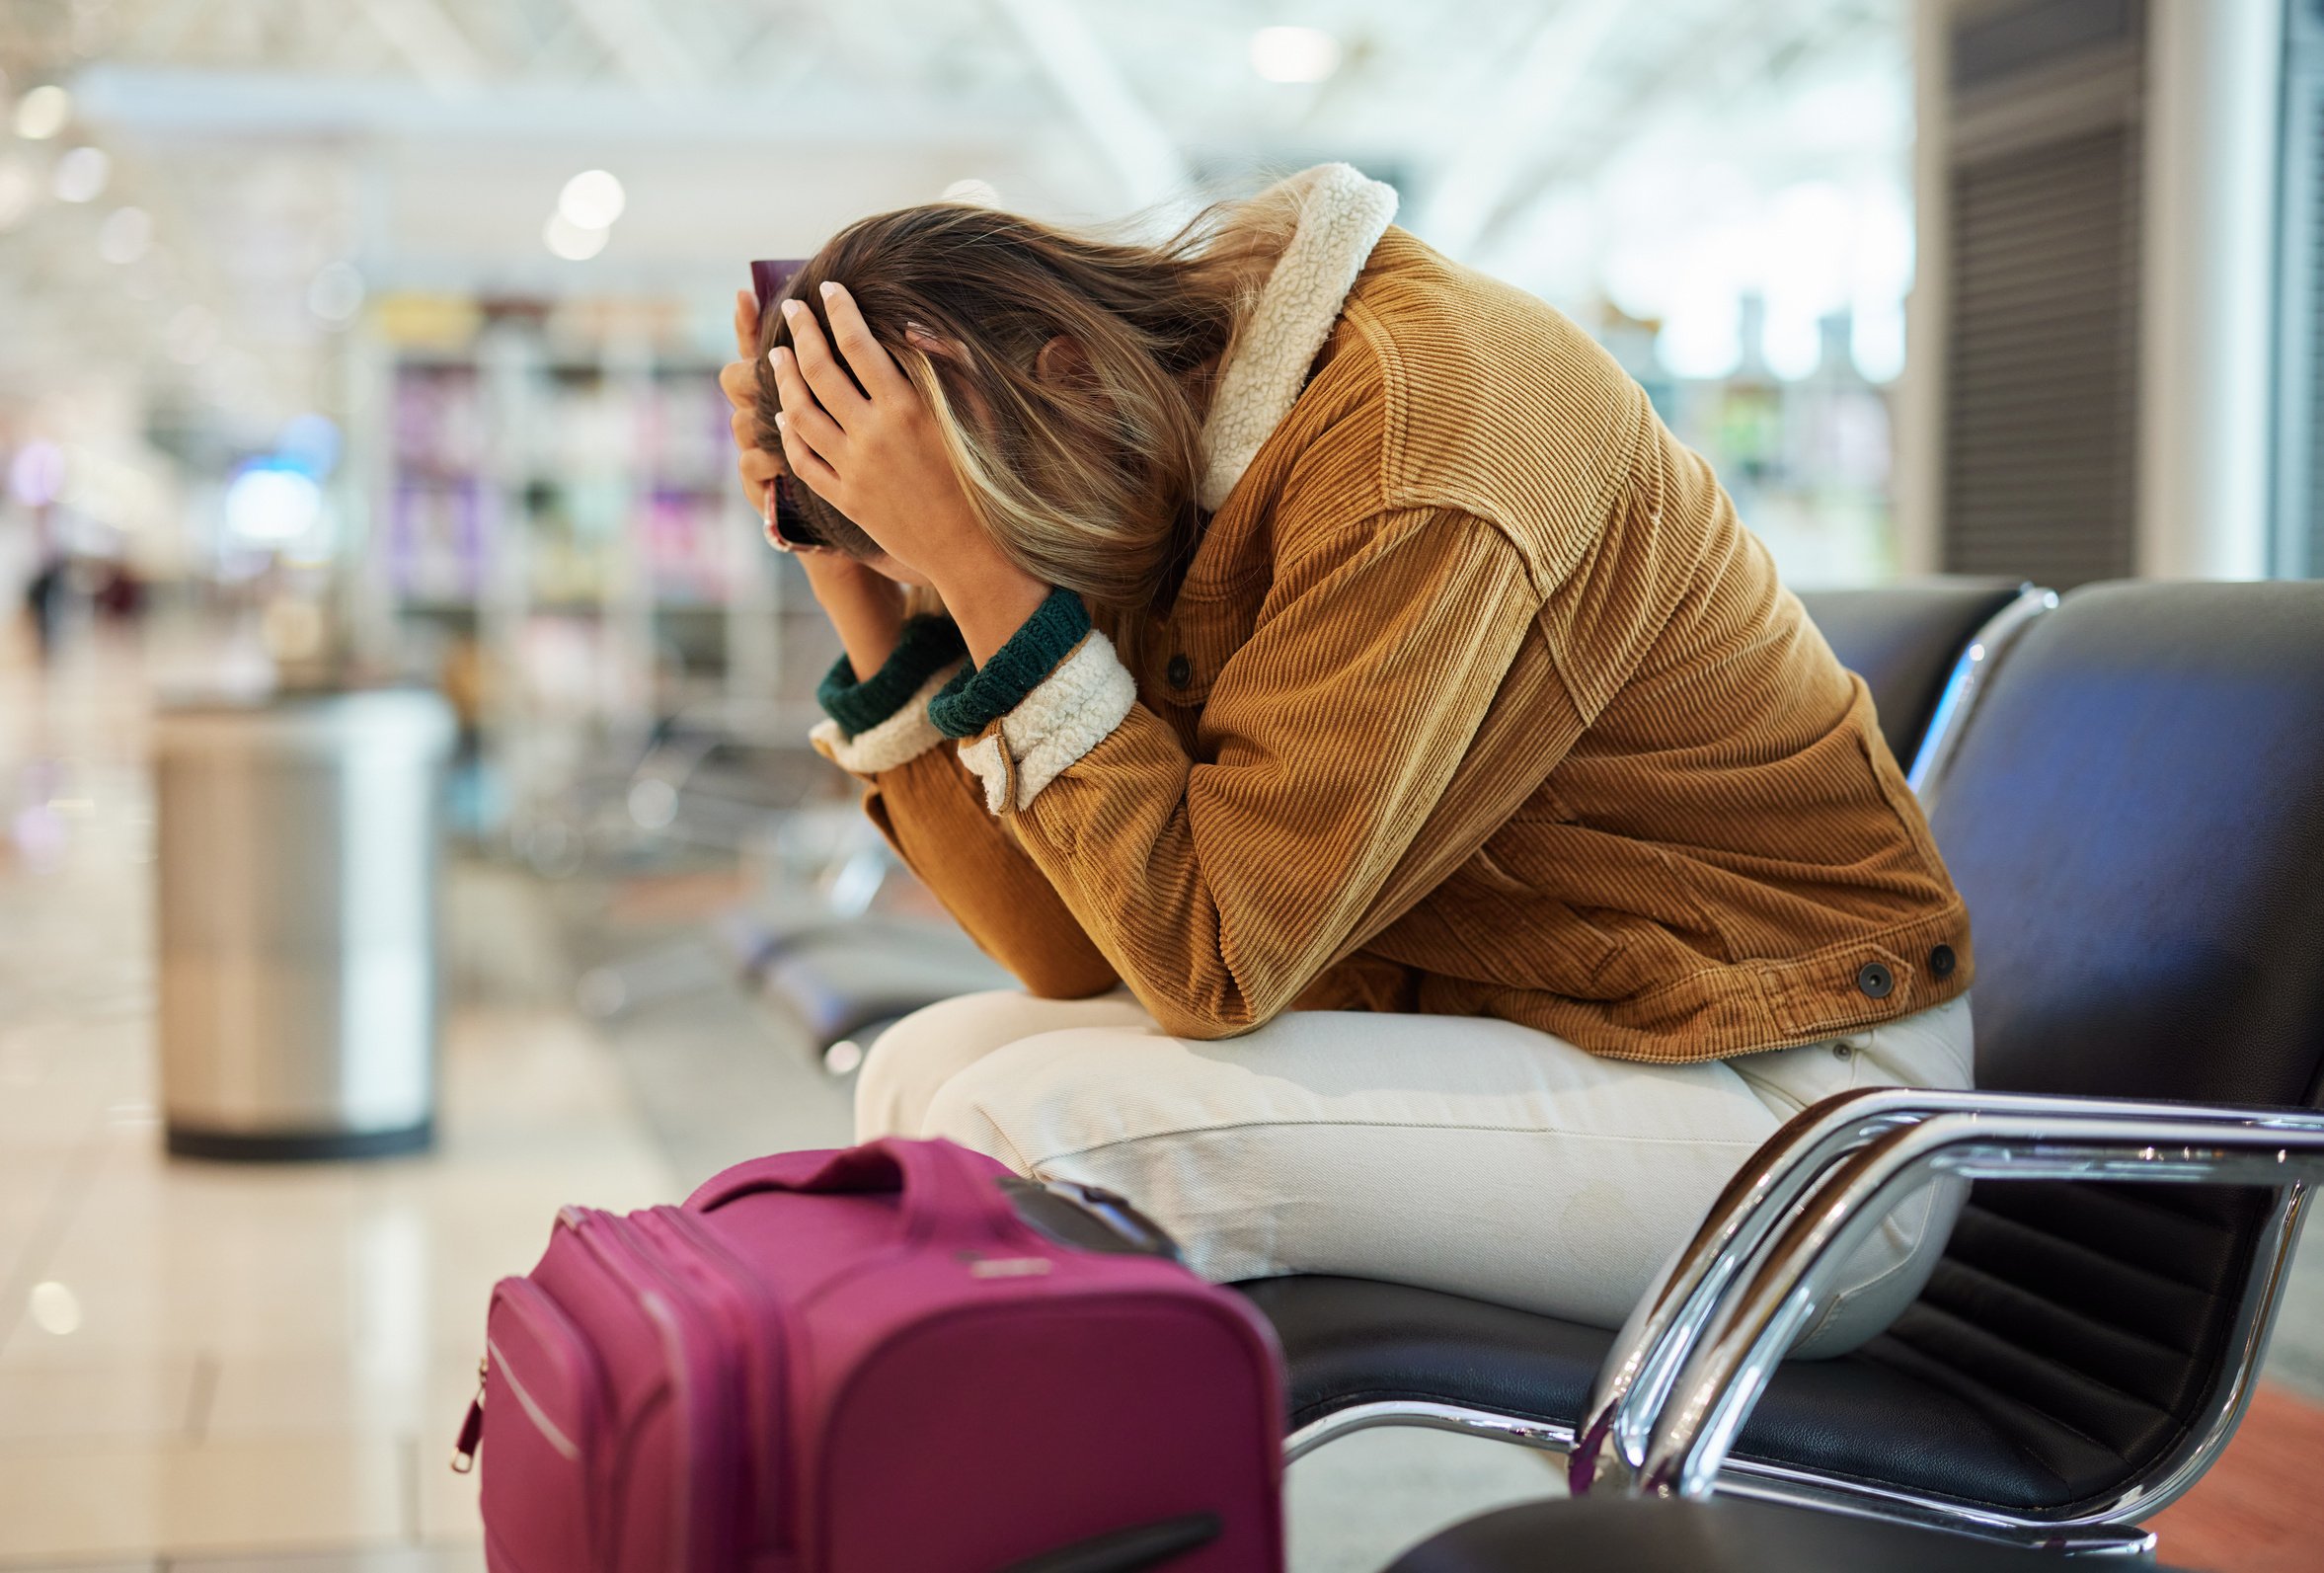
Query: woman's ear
926, 342
1064, 364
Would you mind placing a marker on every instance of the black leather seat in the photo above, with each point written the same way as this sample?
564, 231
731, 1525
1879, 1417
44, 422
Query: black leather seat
1641, 1534
1903, 638
2134, 817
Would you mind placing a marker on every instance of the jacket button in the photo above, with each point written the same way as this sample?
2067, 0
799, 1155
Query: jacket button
1940, 962
1875, 980
1181, 671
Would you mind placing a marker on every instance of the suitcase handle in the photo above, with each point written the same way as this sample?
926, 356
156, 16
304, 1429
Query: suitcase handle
947, 1192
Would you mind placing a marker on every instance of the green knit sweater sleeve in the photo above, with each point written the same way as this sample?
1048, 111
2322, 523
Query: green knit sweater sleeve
978, 696
928, 645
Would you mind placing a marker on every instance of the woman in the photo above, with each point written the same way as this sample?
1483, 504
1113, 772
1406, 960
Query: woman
1432, 844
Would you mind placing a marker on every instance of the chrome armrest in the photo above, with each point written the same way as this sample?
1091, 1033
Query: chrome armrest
1662, 1329
1722, 1344
1970, 671
1776, 1181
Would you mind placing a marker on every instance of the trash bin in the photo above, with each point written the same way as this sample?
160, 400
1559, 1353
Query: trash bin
301, 840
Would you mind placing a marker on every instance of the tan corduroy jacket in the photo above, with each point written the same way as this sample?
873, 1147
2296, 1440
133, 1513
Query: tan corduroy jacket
1478, 700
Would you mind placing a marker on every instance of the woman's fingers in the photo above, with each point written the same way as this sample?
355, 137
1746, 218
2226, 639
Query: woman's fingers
760, 470
807, 416
824, 374
805, 461
745, 425
866, 356
747, 325
739, 381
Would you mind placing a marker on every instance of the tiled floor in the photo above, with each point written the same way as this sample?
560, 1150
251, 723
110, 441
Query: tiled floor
225, 1368
208, 1359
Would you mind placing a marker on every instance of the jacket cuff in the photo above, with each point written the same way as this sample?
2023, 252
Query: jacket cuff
927, 645
1066, 715
979, 696
901, 739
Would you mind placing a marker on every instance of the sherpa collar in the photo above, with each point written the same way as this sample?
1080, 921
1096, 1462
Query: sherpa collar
1342, 217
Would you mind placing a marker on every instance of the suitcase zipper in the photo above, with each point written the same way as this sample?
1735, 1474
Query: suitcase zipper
529, 1303
552, 1330
472, 1427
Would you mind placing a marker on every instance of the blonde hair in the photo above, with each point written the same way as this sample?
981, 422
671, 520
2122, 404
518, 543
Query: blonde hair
1086, 480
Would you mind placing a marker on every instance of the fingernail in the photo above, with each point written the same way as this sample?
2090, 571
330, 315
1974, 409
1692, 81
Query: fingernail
831, 288
791, 308
782, 420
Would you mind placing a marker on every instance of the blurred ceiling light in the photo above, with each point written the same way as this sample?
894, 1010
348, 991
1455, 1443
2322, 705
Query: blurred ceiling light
42, 112
1295, 54
55, 1309
971, 190
653, 803
592, 199
124, 235
18, 189
191, 335
81, 174
571, 241
336, 293
268, 503
37, 474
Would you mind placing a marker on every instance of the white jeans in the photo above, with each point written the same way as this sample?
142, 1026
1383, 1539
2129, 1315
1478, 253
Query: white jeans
1453, 1152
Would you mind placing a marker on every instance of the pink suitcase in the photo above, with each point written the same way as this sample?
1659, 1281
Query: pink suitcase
874, 1362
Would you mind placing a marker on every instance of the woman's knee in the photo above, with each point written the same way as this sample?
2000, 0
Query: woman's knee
923, 1051
913, 1059
1049, 1094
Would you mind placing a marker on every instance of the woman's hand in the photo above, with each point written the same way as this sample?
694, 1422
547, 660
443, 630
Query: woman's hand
739, 381
875, 454
864, 606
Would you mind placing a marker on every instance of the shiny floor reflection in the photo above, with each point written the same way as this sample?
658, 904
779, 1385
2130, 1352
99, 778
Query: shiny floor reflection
202, 1358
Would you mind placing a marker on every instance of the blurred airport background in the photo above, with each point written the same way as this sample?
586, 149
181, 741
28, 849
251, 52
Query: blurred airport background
360, 342
385, 330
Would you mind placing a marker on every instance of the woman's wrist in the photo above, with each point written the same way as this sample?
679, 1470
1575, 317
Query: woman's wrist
991, 599
928, 650
865, 607
978, 696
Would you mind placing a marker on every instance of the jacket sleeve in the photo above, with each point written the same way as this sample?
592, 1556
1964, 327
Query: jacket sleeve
1220, 887
931, 812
